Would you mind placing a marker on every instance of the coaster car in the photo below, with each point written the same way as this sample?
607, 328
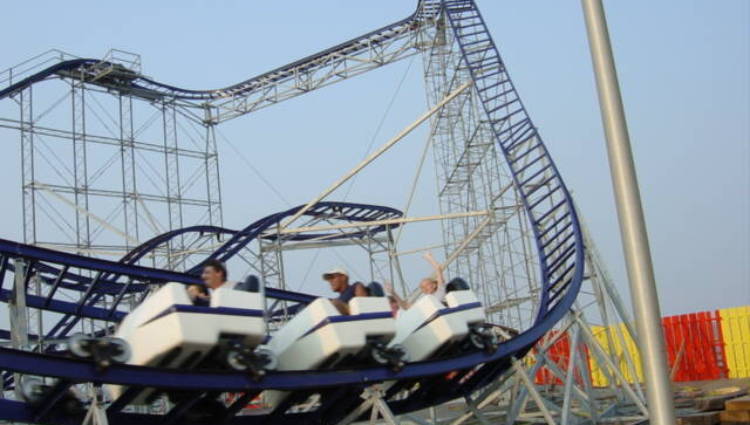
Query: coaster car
167, 330
319, 337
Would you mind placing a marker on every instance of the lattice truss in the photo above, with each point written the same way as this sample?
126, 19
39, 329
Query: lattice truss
118, 170
138, 158
498, 253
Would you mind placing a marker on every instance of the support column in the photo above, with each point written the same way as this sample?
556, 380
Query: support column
19, 331
27, 165
80, 168
127, 164
213, 183
630, 214
172, 173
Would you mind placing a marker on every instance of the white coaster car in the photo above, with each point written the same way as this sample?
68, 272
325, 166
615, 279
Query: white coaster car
429, 328
167, 330
319, 337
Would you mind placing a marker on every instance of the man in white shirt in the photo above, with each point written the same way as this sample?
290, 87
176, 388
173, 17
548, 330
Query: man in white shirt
214, 276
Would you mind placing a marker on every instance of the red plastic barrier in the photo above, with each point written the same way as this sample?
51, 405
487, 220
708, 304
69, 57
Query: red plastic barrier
694, 342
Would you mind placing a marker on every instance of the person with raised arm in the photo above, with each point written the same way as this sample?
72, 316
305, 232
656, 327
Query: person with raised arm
433, 285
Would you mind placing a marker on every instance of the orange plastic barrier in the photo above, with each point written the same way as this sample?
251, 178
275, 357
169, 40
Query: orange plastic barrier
695, 346
700, 346
255, 403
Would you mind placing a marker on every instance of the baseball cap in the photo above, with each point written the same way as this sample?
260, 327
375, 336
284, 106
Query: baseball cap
335, 270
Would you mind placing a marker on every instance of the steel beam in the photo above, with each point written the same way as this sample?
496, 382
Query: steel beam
632, 222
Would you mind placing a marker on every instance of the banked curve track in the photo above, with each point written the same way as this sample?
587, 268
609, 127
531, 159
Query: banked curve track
547, 204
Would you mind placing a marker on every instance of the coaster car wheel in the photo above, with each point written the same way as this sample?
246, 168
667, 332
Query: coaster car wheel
257, 362
104, 351
394, 357
33, 389
482, 338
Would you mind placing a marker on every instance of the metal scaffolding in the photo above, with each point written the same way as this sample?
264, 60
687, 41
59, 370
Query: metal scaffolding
134, 176
124, 169
498, 257
104, 170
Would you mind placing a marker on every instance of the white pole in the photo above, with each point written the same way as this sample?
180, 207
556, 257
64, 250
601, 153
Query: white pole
630, 214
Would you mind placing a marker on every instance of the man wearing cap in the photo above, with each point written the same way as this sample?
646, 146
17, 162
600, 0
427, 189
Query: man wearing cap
338, 278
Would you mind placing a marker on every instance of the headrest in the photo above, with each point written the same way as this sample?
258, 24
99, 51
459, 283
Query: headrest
251, 284
457, 284
374, 289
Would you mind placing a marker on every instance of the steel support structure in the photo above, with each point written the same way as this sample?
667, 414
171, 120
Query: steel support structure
488, 157
501, 259
498, 260
572, 398
103, 170
630, 213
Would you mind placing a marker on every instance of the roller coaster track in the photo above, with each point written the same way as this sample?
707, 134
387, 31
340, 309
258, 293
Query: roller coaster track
55, 273
52, 268
546, 201
369, 51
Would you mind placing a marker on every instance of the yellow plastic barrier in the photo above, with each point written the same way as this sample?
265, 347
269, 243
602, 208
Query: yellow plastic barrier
735, 327
599, 379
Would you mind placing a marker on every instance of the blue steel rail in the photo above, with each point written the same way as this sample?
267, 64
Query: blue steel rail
547, 204
126, 81
545, 197
123, 277
53, 268
109, 280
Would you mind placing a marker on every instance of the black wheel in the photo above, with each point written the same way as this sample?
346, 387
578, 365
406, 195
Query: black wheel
32, 389
120, 348
476, 340
236, 360
79, 346
268, 358
400, 354
491, 341
379, 356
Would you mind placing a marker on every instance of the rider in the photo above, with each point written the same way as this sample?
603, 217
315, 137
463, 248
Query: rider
215, 276
338, 278
433, 285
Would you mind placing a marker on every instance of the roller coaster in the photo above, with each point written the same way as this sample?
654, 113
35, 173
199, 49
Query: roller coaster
480, 129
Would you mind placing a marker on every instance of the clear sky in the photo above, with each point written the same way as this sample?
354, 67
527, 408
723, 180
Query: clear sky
683, 67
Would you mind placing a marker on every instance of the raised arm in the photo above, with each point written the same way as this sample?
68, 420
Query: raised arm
438, 269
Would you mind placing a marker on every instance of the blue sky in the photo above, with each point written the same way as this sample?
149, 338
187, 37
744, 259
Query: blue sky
683, 66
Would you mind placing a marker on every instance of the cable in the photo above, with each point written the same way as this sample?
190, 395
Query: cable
273, 189
380, 124
351, 183
254, 170
309, 269
414, 183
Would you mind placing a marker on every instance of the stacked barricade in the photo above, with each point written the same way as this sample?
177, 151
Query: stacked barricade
735, 327
695, 347
617, 341
700, 346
